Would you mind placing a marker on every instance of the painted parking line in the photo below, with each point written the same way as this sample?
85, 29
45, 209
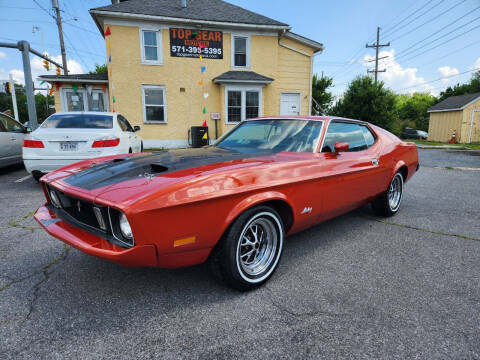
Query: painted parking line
23, 179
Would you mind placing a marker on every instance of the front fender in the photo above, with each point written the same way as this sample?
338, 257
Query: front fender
251, 201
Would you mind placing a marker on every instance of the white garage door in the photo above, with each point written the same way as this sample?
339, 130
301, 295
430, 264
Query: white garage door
290, 104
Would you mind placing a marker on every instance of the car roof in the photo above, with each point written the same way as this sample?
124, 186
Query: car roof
85, 113
314, 118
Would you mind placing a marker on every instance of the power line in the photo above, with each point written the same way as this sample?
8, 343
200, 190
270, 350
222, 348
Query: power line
354, 59
406, 52
454, 52
418, 16
45, 10
428, 21
388, 30
76, 52
446, 41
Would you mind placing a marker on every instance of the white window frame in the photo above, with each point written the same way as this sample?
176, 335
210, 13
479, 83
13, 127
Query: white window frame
232, 47
243, 89
159, 61
162, 87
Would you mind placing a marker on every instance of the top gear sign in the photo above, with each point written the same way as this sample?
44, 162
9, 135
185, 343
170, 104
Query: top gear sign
193, 43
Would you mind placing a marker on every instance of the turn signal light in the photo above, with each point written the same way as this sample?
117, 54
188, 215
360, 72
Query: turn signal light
106, 143
33, 144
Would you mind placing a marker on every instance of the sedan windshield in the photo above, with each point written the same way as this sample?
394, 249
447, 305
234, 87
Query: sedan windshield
273, 135
78, 121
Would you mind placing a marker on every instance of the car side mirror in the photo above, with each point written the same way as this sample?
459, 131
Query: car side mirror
28, 129
341, 147
136, 128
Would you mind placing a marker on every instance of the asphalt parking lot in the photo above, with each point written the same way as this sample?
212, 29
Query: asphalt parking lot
354, 287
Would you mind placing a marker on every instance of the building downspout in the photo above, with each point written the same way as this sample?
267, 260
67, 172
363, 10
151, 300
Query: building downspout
311, 66
471, 125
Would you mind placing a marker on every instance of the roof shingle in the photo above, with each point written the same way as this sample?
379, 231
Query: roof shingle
76, 77
239, 76
204, 10
454, 102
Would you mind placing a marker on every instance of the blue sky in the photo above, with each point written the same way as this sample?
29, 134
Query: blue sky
415, 28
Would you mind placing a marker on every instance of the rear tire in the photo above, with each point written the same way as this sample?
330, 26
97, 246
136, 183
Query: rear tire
389, 202
37, 175
250, 250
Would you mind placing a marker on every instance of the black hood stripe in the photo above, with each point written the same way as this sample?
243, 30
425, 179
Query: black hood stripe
132, 167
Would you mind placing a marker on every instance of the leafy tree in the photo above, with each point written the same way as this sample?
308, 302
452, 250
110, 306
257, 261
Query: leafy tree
367, 101
99, 69
40, 101
413, 109
471, 87
323, 98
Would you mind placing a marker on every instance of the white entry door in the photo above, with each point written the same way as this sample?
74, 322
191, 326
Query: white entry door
290, 104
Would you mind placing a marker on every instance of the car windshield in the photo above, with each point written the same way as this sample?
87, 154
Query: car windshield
78, 121
273, 135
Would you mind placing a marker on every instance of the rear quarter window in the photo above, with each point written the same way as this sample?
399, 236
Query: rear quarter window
78, 121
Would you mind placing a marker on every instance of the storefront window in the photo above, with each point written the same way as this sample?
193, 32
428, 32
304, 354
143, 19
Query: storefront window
75, 100
96, 101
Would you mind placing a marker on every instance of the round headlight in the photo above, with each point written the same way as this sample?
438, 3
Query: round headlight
55, 200
125, 227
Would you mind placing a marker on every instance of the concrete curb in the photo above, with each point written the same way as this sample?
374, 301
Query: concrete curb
448, 147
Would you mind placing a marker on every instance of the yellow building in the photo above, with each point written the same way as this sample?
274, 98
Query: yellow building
456, 113
174, 64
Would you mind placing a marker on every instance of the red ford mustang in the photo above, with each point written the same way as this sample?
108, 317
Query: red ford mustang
234, 201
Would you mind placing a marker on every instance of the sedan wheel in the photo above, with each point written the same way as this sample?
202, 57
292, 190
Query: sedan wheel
389, 202
251, 248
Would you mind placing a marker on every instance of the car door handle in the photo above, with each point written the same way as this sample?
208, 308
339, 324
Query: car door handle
375, 162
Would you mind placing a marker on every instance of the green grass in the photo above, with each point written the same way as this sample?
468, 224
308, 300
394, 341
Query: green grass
154, 150
460, 146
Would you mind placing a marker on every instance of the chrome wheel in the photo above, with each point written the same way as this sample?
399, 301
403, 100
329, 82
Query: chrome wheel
395, 192
259, 246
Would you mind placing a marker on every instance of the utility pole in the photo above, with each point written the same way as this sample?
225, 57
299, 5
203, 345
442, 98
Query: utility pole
60, 34
27, 71
377, 46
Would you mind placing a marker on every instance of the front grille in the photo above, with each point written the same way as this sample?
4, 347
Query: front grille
80, 210
81, 213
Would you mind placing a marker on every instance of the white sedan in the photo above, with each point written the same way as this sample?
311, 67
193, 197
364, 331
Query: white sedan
66, 138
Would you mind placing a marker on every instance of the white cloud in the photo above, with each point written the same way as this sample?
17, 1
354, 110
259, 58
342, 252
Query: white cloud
403, 80
477, 64
447, 71
3, 55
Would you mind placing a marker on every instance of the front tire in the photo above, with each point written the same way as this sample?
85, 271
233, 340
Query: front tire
389, 202
250, 250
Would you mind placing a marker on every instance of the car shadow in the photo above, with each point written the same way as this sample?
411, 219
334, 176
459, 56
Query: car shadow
11, 168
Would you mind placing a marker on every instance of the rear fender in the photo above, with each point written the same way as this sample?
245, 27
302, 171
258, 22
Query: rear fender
397, 167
